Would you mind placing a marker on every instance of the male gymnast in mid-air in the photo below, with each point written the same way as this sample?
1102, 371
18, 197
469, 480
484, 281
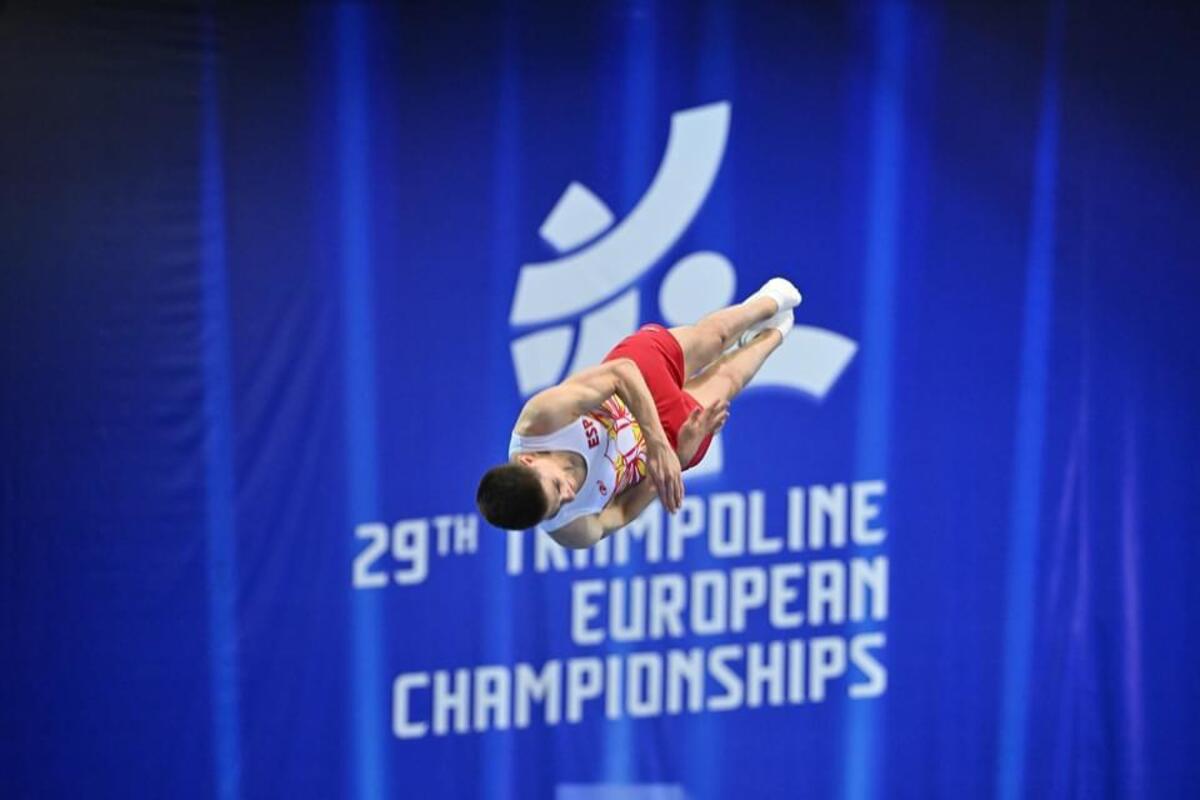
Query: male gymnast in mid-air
580, 450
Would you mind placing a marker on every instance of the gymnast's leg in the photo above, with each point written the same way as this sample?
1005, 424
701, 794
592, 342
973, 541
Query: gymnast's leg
725, 379
704, 342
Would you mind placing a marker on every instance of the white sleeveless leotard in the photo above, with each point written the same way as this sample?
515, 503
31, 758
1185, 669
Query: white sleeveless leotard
612, 446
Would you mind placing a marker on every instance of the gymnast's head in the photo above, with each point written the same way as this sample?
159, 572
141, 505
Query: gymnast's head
520, 494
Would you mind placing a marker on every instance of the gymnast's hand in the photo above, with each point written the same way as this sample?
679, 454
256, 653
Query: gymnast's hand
663, 467
699, 424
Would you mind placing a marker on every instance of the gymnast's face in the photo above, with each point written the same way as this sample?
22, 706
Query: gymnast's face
556, 480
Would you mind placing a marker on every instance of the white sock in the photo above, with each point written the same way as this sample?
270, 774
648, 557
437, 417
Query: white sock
781, 290
786, 297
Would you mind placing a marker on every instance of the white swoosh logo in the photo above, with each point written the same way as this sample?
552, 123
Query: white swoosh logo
553, 289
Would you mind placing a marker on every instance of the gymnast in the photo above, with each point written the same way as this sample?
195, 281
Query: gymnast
580, 450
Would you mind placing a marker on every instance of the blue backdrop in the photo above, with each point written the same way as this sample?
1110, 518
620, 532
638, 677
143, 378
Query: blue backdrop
262, 332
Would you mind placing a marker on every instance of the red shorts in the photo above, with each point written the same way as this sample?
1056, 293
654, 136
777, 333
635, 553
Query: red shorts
660, 358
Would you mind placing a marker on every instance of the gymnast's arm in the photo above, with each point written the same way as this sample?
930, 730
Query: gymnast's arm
628, 506
586, 531
555, 407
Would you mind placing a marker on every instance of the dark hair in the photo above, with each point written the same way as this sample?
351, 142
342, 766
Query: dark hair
511, 496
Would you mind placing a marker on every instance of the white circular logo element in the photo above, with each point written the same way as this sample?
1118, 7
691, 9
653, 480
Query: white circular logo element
697, 285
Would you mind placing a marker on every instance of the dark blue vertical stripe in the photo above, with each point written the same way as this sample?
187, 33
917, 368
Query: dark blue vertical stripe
883, 222
218, 431
498, 751
863, 755
369, 697
638, 127
639, 123
716, 82
1030, 429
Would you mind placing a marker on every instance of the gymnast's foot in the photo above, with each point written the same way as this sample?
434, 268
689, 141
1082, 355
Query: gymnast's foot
786, 297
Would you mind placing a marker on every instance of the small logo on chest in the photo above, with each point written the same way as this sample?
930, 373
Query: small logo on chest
603, 488
593, 435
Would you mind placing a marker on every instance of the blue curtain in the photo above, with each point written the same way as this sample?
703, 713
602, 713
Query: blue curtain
277, 281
